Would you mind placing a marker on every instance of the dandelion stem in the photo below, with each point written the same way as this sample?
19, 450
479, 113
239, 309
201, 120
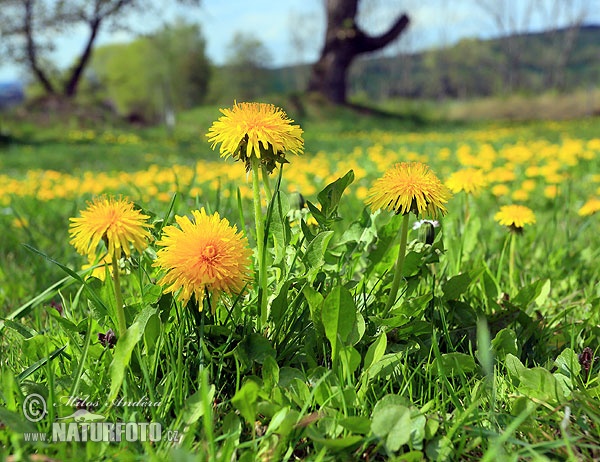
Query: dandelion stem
121, 323
266, 182
260, 238
511, 261
399, 264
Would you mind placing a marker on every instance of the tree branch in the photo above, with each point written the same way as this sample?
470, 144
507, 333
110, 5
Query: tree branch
31, 49
367, 44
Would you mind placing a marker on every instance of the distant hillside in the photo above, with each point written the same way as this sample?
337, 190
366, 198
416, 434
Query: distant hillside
562, 60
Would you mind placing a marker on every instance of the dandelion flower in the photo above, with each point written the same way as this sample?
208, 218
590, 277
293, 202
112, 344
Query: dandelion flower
256, 129
515, 216
202, 254
590, 207
409, 187
469, 180
114, 221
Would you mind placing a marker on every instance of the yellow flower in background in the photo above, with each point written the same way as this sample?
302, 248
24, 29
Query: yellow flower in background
590, 207
203, 254
258, 129
515, 216
500, 190
116, 222
409, 187
100, 271
469, 180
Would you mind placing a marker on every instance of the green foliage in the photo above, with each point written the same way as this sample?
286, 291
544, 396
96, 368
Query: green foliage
167, 70
461, 367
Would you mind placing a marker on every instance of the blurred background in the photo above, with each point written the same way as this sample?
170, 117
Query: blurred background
146, 61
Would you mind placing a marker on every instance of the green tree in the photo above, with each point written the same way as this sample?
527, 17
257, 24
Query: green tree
246, 71
29, 29
162, 72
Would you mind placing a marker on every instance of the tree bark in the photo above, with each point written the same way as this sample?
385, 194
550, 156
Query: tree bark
344, 41
31, 50
70, 88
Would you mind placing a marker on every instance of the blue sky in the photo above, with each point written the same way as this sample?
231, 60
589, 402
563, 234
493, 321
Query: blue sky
274, 22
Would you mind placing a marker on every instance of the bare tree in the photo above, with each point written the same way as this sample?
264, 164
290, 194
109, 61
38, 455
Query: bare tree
28, 29
510, 19
563, 20
344, 41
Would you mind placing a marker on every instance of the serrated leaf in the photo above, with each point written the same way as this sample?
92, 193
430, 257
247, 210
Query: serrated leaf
338, 316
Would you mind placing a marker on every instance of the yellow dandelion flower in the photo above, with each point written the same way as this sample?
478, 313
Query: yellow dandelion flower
520, 195
116, 222
469, 180
551, 191
590, 207
258, 129
204, 254
515, 216
500, 190
409, 187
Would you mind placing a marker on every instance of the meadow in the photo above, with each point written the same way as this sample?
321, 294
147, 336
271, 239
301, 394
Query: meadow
480, 344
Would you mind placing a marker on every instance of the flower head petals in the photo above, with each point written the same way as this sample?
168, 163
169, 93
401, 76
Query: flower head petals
515, 216
409, 187
205, 253
116, 222
256, 129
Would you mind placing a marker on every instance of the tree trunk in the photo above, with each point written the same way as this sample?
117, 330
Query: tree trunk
344, 41
70, 88
31, 50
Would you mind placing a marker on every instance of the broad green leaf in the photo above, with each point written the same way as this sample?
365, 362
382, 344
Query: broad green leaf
358, 330
413, 261
330, 196
453, 364
152, 293
350, 359
124, 348
454, 287
537, 290
270, 373
514, 366
338, 316
540, 384
333, 444
356, 424
376, 350
245, 401
504, 343
314, 256
280, 303
194, 406
152, 332
254, 348
392, 423
567, 363
279, 419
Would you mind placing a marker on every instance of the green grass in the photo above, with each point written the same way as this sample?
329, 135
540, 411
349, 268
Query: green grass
467, 365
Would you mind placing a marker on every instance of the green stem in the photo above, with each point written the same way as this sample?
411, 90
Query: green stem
266, 182
260, 244
122, 324
511, 261
399, 265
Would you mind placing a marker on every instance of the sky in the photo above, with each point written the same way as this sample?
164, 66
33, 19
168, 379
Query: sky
276, 22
